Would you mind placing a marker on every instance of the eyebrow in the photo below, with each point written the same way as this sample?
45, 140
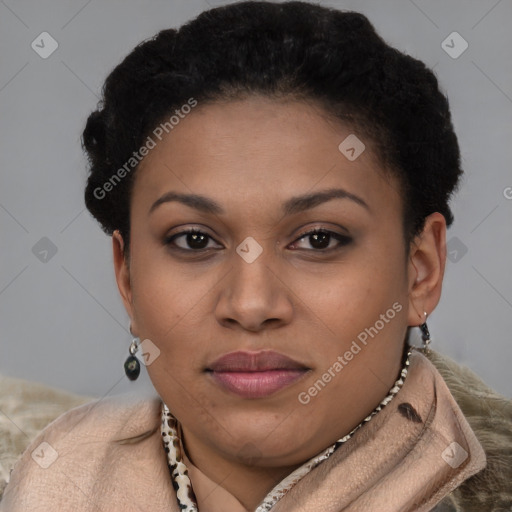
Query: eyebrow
291, 206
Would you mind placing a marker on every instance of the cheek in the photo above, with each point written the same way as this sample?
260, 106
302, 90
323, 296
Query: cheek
164, 298
369, 278
172, 308
373, 284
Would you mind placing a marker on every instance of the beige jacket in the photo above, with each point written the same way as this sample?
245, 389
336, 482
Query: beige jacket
417, 454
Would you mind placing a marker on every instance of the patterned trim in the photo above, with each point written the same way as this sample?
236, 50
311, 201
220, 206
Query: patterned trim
185, 496
179, 475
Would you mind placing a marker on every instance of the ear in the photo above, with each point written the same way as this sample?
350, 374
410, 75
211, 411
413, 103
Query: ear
426, 266
122, 270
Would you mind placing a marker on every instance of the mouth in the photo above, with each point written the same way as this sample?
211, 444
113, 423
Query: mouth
255, 374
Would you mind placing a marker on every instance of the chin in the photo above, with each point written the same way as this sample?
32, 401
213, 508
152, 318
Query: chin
263, 439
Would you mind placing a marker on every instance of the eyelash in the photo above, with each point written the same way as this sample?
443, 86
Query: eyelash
343, 240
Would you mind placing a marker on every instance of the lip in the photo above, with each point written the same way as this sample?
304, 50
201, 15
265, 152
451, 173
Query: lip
256, 374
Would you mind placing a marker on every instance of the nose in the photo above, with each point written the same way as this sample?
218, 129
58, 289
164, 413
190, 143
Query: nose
254, 296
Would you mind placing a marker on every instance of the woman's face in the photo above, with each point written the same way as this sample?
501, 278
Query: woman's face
272, 342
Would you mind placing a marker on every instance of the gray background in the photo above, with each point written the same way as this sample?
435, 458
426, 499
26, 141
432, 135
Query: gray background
62, 321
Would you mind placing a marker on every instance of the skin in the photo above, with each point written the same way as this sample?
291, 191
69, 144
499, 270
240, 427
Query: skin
250, 156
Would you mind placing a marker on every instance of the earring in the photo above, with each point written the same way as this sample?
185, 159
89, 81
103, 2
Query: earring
132, 365
425, 336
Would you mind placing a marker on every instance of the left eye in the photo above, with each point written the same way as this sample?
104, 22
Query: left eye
321, 239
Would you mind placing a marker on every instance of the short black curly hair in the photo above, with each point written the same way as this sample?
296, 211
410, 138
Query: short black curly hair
281, 50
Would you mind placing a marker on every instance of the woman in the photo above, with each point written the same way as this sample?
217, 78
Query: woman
275, 179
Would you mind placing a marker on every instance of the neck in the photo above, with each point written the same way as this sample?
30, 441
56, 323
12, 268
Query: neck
248, 483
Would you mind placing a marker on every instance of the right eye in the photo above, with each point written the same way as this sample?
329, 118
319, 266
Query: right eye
193, 240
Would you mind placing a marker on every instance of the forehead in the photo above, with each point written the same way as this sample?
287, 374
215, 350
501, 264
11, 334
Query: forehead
260, 149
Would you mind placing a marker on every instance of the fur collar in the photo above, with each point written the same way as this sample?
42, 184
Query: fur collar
490, 417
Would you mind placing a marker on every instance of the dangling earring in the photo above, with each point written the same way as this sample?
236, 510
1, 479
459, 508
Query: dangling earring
132, 365
425, 336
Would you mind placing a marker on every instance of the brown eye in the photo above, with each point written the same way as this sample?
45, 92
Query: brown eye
191, 240
321, 239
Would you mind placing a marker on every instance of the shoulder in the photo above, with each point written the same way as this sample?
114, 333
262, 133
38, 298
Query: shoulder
27, 407
490, 417
103, 419
88, 453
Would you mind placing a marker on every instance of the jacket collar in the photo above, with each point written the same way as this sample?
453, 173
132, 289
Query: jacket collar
417, 450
